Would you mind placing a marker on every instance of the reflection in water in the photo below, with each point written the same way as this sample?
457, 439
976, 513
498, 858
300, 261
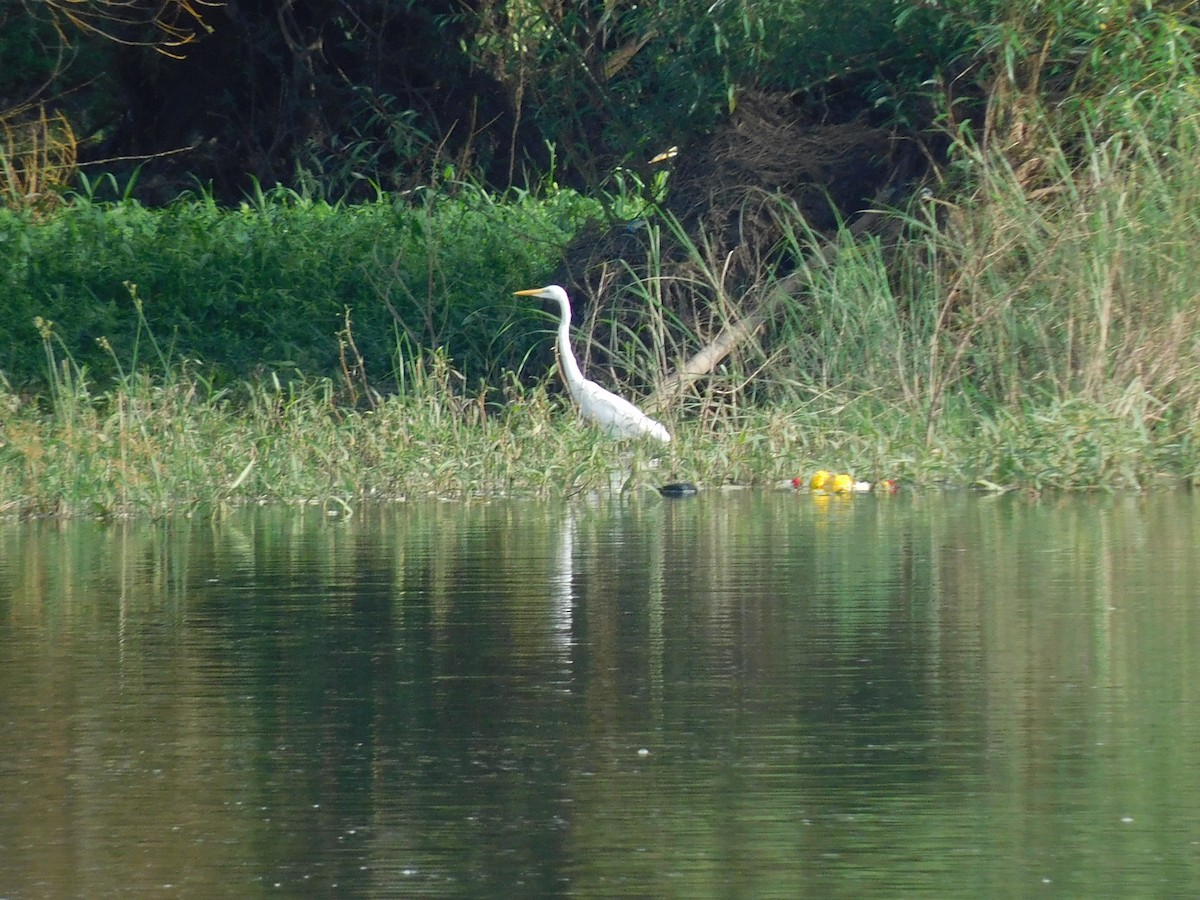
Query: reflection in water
563, 579
745, 695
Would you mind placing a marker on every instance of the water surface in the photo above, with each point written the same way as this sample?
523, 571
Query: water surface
741, 695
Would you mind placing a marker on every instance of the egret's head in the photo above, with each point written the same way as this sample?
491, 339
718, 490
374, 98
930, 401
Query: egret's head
550, 292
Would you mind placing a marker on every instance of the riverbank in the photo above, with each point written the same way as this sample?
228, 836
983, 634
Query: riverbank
152, 447
1038, 332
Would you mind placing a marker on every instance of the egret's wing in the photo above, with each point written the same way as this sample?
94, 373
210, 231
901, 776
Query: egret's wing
616, 415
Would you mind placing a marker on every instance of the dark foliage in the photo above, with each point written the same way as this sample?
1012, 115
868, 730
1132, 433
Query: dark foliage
337, 98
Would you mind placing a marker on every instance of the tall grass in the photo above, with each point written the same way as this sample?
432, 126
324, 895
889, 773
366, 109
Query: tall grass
1040, 331
37, 157
1084, 290
1074, 301
177, 441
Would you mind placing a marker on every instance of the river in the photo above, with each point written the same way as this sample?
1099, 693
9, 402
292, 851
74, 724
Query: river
744, 694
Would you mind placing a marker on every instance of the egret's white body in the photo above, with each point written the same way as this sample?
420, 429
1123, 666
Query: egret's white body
615, 415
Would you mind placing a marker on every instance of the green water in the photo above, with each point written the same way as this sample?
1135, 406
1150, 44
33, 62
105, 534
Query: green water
741, 695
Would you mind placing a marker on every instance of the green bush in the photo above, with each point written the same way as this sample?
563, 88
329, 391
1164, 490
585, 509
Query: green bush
267, 286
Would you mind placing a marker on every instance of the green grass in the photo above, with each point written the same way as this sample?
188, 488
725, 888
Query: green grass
268, 285
150, 446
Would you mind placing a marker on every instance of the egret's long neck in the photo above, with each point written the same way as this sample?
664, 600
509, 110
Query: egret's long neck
566, 357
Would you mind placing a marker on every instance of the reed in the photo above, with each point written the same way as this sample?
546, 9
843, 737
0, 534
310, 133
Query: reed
154, 445
38, 151
1036, 333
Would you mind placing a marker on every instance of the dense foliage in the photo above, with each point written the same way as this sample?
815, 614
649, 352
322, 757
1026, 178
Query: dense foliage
336, 99
273, 285
333, 97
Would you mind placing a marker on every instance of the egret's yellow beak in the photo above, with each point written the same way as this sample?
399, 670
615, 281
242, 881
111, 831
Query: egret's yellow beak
530, 293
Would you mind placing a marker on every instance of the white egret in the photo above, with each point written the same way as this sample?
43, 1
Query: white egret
615, 415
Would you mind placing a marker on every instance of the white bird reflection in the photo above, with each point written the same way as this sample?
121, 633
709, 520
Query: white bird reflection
563, 611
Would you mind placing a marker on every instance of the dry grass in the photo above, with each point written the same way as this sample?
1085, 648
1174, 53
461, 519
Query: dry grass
38, 155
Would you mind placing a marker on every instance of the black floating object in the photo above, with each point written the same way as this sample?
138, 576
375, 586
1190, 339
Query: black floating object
679, 489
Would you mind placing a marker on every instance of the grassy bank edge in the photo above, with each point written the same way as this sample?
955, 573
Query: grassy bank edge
159, 446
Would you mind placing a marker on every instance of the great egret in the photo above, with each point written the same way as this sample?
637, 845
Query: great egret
615, 415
